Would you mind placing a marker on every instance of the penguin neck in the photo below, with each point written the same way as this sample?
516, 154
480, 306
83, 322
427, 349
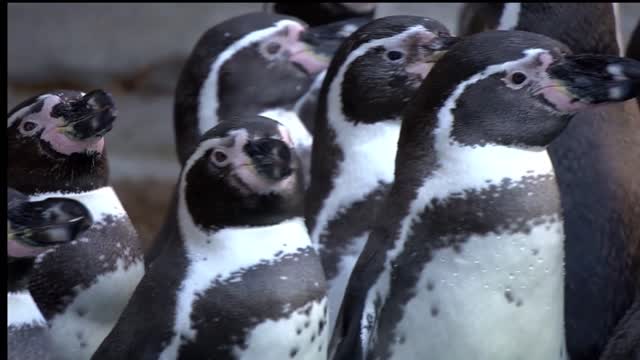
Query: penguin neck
356, 158
22, 310
77, 173
245, 242
462, 166
364, 147
592, 28
442, 166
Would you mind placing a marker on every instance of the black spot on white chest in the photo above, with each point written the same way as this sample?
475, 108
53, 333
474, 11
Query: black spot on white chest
224, 315
107, 245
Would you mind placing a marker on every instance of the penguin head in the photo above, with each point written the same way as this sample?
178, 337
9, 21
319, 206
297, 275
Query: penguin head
253, 62
380, 66
244, 172
518, 89
35, 226
58, 136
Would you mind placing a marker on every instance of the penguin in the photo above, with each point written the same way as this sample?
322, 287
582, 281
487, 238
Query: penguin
370, 80
34, 227
330, 23
239, 278
600, 193
316, 14
466, 260
253, 64
56, 148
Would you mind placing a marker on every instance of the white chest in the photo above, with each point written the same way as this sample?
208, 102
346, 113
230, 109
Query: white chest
500, 298
369, 152
94, 311
297, 337
226, 252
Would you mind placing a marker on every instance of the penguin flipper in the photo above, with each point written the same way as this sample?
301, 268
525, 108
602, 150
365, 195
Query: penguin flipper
146, 324
625, 341
167, 232
347, 339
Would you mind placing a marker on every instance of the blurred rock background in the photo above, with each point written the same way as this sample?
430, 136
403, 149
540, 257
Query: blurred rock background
135, 51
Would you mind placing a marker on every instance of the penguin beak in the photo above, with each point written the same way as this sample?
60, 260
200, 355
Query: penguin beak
49, 222
271, 158
88, 117
593, 79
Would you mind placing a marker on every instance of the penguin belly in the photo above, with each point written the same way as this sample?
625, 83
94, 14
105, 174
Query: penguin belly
300, 336
500, 297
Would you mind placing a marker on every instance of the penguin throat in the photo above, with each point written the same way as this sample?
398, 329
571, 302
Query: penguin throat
77, 172
367, 161
510, 16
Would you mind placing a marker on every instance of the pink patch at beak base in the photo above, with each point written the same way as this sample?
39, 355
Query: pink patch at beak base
63, 144
303, 55
54, 132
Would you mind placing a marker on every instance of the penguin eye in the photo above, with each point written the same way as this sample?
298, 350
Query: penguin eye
28, 127
518, 78
273, 48
220, 158
394, 55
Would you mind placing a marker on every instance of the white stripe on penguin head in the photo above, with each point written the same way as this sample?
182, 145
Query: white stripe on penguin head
510, 16
208, 101
23, 111
334, 104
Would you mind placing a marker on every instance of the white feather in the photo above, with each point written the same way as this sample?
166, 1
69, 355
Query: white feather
510, 16
23, 311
